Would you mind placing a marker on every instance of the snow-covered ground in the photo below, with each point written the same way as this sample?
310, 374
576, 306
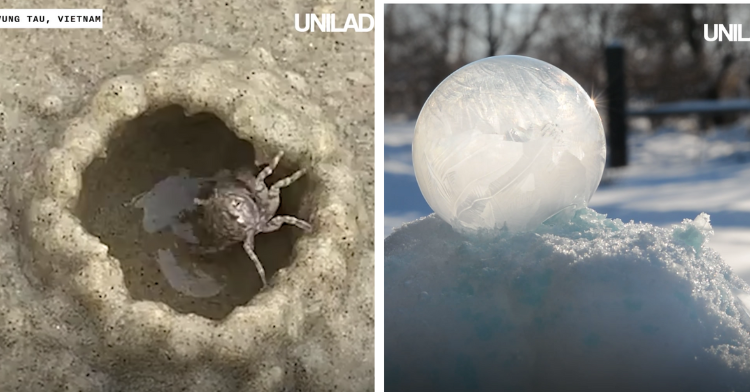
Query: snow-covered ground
674, 173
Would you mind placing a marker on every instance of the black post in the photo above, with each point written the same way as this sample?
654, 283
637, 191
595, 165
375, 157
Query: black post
618, 131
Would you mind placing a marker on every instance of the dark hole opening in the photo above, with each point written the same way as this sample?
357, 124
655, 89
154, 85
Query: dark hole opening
148, 150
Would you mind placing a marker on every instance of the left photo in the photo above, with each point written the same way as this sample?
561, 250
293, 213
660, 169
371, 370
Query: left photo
186, 196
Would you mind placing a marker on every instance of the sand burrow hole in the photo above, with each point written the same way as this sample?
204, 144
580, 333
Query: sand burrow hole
86, 233
169, 148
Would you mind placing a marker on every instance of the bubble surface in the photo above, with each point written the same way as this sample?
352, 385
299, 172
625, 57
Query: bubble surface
507, 142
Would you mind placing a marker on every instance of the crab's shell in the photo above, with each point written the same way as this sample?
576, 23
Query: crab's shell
230, 213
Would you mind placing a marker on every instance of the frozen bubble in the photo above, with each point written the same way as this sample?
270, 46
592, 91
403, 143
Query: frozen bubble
507, 142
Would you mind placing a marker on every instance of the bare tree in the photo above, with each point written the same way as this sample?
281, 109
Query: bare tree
418, 54
429, 42
667, 57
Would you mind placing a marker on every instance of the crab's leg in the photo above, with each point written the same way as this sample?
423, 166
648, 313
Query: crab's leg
284, 182
249, 246
269, 201
275, 223
259, 181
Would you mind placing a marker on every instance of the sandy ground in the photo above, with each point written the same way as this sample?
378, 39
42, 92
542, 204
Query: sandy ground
48, 76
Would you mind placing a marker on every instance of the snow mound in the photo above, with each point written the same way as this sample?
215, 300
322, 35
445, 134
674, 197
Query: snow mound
582, 303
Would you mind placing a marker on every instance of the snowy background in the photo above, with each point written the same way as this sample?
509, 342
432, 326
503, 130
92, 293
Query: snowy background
676, 171
556, 311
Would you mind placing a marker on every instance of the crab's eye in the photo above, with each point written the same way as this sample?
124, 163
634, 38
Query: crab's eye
236, 203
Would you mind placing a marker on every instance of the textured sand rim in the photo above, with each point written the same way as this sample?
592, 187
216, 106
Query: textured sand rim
261, 106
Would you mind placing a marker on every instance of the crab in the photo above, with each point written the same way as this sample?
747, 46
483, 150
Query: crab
241, 206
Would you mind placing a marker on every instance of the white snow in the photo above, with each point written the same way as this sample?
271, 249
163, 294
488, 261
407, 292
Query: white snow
399, 131
698, 106
675, 175
583, 303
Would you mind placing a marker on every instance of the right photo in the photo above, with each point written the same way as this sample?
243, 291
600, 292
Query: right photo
567, 197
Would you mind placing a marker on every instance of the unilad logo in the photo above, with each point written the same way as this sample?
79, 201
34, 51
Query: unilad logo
327, 23
733, 33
